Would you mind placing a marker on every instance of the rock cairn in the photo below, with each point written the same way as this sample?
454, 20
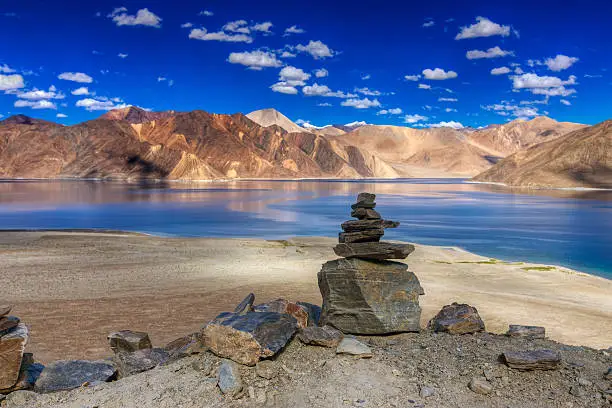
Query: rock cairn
15, 365
363, 292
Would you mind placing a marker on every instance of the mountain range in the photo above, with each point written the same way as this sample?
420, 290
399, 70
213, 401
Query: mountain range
132, 143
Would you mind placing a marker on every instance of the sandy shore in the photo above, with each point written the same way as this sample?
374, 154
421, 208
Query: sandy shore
74, 288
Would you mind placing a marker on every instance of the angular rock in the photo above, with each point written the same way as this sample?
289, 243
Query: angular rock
362, 225
249, 337
246, 305
352, 346
372, 235
364, 200
229, 379
130, 363
533, 360
68, 374
5, 310
184, 347
300, 313
530, 332
129, 341
480, 386
314, 313
457, 319
7, 324
365, 214
369, 297
266, 369
325, 336
28, 374
374, 250
12, 346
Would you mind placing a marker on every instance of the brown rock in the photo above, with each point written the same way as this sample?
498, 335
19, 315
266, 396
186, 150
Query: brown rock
5, 310
533, 360
369, 297
457, 319
325, 336
365, 214
28, 374
246, 305
8, 323
266, 369
12, 346
284, 306
374, 250
364, 200
361, 225
127, 340
531, 332
372, 235
185, 346
480, 386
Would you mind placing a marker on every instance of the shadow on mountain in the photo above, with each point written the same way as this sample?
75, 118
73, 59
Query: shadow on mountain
148, 174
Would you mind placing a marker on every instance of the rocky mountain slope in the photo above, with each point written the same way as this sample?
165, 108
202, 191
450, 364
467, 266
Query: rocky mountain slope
582, 158
269, 117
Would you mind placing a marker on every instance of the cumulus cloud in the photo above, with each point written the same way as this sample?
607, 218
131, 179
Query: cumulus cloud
500, 71
392, 111
61, 115
263, 27
565, 102
284, 88
531, 80
287, 54
100, 104
11, 82
450, 110
76, 77
203, 35
143, 17
429, 23
206, 13
294, 30
256, 60
364, 103
557, 91
560, 62
508, 109
323, 90
412, 77
35, 104
238, 26
39, 94
324, 104
321, 73
494, 52
414, 118
187, 25
122, 55
293, 76
368, 91
483, 28
424, 86
317, 49
451, 124
438, 74
447, 99
5, 69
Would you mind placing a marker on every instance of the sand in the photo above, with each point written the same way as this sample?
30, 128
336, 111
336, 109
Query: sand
73, 288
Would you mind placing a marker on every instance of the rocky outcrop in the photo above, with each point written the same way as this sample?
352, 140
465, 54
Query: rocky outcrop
533, 360
68, 374
457, 319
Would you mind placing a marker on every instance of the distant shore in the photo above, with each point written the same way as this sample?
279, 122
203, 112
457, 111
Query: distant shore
73, 288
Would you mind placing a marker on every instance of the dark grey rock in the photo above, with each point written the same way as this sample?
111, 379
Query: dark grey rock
325, 336
457, 319
374, 250
533, 360
314, 313
362, 225
364, 200
246, 305
68, 374
130, 363
365, 214
369, 297
370, 235
530, 332
129, 341
7, 324
229, 379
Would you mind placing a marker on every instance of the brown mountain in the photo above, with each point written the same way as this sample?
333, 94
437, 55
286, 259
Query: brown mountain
582, 158
134, 114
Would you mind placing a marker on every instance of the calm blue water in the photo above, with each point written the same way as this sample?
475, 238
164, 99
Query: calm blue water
572, 229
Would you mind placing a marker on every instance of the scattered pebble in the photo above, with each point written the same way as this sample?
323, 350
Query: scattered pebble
480, 385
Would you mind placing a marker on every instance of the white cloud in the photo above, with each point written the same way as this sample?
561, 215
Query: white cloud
5, 69
565, 102
143, 17
122, 55
508, 109
36, 104
263, 27
287, 54
483, 28
534, 81
429, 23
284, 88
438, 74
187, 25
392, 111
161, 79
414, 118
206, 13
447, 99
100, 104
560, 62
293, 76
81, 91
324, 104
424, 86
368, 91
39, 94
76, 77
317, 49
61, 115
203, 35
323, 90
256, 60
11, 82
494, 52
450, 110
294, 30
321, 73
366, 77
364, 103
451, 124
412, 77
500, 71
556, 91
238, 26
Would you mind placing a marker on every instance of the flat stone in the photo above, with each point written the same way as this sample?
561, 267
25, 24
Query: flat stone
129, 341
364, 200
533, 360
374, 250
373, 235
229, 379
130, 363
28, 374
248, 338
12, 346
5, 310
68, 374
185, 346
363, 225
365, 214
352, 346
246, 305
369, 297
314, 313
457, 319
266, 369
300, 313
530, 332
480, 386
325, 336
7, 324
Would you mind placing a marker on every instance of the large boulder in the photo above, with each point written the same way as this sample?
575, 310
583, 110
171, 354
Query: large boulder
68, 374
374, 250
130, 363
369, 297
300, 313
12, 346
28, 374
129, 341
246, 338
533, 360
457, 319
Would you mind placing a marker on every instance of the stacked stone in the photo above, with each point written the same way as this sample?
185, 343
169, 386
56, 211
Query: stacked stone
13, 339
363, 292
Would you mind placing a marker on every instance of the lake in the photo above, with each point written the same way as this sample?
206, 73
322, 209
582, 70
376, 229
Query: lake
562, 227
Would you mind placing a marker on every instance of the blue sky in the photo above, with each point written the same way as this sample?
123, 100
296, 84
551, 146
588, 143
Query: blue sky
415, 64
